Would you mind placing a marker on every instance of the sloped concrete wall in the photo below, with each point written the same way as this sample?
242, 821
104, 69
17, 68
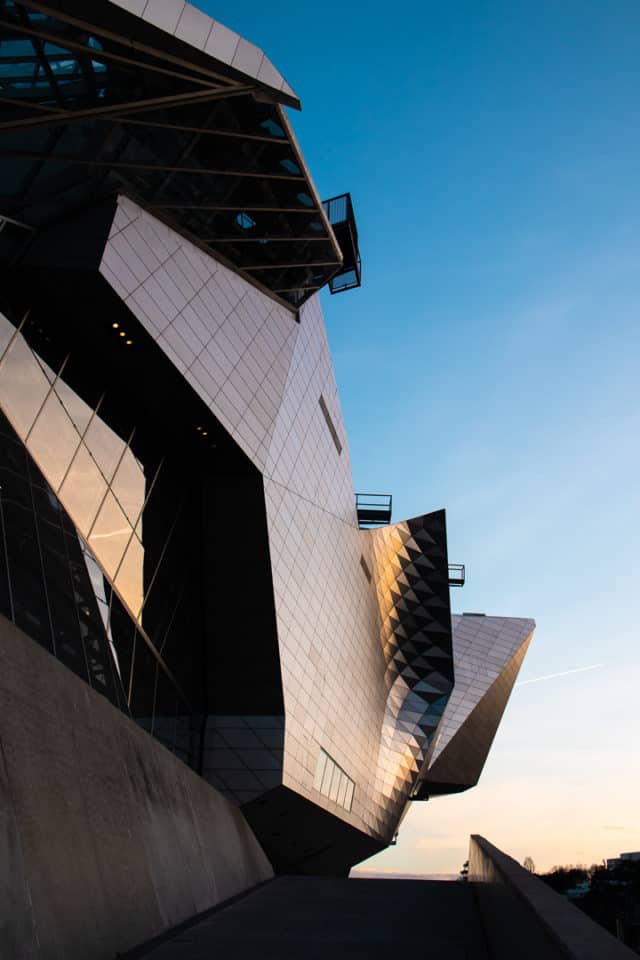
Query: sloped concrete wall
524, 918
106, 839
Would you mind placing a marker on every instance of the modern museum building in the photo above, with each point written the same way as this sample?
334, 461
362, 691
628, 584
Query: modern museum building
217, 662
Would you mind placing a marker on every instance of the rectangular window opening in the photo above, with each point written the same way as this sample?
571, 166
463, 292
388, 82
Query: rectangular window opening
332, 782
330, 423
365, 567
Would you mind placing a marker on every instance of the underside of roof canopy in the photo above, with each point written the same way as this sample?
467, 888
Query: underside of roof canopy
158, 101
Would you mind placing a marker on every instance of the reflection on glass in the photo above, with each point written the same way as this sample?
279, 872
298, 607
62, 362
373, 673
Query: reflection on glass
71, 496
53, 441
326, 777
322, 760
333, 782
83, 490
110, 535
342, 789
7, 330
97, 582
79, 412
333, 790
129, 581
348, 797
105, 446
79, 455
129, 486
23, 386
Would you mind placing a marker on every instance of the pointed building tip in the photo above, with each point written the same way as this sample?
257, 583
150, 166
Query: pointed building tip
224, 48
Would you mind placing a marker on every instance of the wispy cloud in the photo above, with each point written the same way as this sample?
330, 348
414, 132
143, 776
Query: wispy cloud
563, 673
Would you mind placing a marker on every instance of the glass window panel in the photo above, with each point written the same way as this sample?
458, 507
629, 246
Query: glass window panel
23, 386
79, 412
102, 673
62, 591
96, 575
130, 577
322, 760
105, 447
82, 491
53, 441
8, 433
348, 799
25, 568
14, 486
335, 780
129, 486
7, 330
342, 789
110, 535
103, 611
123, 634
46, 369
45, 502
326, 777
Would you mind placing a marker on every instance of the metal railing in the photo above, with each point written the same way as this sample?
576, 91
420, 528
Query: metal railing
373, 509
339, 211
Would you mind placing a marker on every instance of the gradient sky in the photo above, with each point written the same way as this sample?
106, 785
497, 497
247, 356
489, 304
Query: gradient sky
490, 362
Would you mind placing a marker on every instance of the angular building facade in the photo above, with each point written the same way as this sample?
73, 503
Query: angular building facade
179, 526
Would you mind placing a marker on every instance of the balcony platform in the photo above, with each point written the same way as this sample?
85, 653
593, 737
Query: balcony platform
373, 509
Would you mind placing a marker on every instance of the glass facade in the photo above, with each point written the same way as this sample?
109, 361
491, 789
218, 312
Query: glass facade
48, 577
74, 575
89, 468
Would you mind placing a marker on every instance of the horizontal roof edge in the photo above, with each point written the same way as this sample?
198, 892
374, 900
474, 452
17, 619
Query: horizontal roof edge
210, 39
181, 32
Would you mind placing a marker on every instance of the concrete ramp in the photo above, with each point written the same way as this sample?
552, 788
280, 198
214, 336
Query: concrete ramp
312, 917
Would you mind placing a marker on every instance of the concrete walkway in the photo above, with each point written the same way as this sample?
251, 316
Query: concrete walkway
312, 917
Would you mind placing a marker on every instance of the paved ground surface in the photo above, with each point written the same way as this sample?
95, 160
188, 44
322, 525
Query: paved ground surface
309, 917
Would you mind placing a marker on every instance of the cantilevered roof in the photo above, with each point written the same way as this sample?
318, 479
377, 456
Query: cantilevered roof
190, 25
155, 99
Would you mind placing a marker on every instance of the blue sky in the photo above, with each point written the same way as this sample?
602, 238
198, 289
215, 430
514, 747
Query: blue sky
491, 361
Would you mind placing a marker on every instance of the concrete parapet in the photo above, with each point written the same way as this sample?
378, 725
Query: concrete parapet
525, 918
106, 838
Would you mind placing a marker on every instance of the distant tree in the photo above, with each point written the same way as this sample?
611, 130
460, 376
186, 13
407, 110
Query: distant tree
562, 879
613, 898
529, 865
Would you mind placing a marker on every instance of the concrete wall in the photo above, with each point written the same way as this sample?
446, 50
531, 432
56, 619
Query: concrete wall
525, 918
106, 839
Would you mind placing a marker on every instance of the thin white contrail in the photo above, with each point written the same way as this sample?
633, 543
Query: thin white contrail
552, 676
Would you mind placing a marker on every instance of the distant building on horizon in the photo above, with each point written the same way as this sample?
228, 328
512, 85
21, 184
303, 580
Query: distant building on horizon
615, 862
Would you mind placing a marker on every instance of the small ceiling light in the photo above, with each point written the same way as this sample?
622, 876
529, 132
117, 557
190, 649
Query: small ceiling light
204, 433
198, 429
115, 325
122, 333
129, 342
